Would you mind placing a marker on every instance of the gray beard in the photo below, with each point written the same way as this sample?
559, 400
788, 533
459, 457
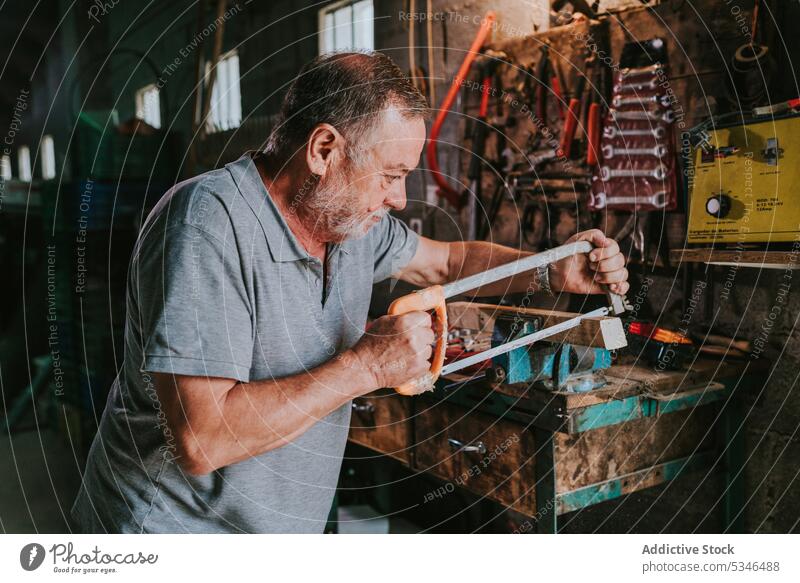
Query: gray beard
328, 210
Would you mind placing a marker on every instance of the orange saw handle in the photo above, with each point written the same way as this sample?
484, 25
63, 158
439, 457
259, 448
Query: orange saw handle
431, 298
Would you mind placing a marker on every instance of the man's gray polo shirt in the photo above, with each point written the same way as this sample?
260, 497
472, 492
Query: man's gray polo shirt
219, 286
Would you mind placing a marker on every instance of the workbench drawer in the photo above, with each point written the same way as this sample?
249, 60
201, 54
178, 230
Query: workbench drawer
489, 456
612, 452
381, 421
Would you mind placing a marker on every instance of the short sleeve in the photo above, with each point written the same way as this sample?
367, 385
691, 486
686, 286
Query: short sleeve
394, 246
193, 308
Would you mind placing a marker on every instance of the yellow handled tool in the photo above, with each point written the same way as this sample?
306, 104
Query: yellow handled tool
435, 297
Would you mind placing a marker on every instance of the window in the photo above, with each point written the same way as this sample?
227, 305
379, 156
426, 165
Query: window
226, 99
48, 158
148, 105
24, 163
346, 25
5, 168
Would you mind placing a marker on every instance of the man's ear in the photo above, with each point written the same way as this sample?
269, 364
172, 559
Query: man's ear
325, 144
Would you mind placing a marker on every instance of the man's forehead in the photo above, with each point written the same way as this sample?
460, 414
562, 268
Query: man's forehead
398, 141
398, 155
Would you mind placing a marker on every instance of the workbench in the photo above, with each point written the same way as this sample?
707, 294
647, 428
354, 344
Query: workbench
545, 453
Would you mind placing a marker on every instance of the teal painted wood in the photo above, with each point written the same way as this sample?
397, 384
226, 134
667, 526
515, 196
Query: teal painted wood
583, 419
611, 489
603, 414
696, 400
637, 407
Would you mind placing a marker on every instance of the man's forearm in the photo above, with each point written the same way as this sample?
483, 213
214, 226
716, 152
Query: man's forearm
471, 257
256, 417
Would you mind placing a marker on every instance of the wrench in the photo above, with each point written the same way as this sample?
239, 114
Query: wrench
634, 86
662, 100
659, 151
629, 72
657, 200
613, 132
666, 116
658, 172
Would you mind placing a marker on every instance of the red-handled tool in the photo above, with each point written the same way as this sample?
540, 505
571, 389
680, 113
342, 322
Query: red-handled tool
435, 297
593, 134
573, 116
555, 83
570, 123
594, 118
445, 190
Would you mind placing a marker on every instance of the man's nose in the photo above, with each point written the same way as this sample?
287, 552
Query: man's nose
396, 198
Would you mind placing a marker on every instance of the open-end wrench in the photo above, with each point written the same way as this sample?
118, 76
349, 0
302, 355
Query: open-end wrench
629, 72
657, 200
643, 115
613, 132
634, 86
657, 172
659, 151
663, 100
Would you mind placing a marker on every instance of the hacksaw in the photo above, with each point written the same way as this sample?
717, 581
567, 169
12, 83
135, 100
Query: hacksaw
435, 297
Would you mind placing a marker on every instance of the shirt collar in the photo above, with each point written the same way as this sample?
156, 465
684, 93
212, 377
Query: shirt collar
283, 245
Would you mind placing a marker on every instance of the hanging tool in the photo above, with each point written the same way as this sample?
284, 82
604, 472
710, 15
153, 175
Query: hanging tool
559, 86
657, 199
594, 117
478, 142
445, 190
657, 132
658, 172
549, 78
431, 65
593, 133
541, 88
434, 298
412, 43
573, 115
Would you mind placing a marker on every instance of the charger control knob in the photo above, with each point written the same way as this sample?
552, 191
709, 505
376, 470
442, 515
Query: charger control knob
718, 205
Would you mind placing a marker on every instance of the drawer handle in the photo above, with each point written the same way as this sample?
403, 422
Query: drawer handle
363, 408
477, 447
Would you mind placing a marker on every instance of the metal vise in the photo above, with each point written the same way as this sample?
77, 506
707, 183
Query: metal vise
555, 366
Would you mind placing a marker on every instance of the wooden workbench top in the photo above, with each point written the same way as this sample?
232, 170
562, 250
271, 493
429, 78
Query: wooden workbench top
626, 380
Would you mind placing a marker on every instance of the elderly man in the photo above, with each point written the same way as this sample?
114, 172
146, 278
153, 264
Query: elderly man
247, 304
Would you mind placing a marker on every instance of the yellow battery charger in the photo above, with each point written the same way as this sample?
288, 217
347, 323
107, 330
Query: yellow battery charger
744, 184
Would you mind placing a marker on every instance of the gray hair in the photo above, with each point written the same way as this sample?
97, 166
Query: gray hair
346, 90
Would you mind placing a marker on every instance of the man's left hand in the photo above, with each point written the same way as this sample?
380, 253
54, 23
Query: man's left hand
586, 273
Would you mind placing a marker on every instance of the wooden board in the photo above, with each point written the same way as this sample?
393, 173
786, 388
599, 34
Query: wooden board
741, 258
604, 332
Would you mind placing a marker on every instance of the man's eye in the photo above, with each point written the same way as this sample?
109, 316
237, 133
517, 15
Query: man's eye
391, 177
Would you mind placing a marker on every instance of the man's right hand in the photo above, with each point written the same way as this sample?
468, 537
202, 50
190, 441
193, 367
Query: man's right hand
396, 349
